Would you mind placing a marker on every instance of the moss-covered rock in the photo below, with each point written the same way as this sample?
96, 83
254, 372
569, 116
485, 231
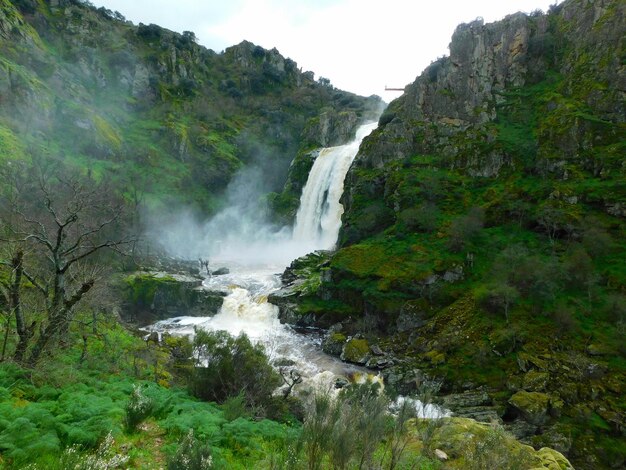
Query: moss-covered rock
356, 350
533, 406
333, 343
535, 381
469, 444
152, 296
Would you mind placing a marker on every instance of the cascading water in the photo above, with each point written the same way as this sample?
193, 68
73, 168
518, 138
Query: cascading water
319, 217
246, 309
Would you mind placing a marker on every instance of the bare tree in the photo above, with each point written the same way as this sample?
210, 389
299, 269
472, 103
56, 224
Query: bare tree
62, 221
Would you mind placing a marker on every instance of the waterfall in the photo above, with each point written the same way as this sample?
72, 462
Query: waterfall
319, 217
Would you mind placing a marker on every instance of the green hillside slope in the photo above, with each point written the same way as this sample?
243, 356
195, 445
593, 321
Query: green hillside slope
151, 108
484, 232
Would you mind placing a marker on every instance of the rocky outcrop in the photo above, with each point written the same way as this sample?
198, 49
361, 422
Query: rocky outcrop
152, 296
463, 439
457, 108
332, 128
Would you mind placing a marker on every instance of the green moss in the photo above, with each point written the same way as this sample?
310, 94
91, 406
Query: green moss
338, 337
11, 147
142, 287
355, 350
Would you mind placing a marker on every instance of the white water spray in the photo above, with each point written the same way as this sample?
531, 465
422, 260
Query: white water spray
319, 217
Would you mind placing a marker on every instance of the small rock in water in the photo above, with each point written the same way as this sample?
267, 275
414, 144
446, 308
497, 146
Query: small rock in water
220, 272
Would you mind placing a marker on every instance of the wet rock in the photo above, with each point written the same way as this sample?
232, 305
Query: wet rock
333, 343
376, 351
220, 272
152, 296
284, 362
153, 337
341, 382
286, 301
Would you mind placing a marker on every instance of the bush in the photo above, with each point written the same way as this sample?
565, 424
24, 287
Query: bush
192, 454
346, 429
422, 218
138, 408
466, 227
228, 366
73, 458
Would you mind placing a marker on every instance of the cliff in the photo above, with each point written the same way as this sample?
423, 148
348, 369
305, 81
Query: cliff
483, 236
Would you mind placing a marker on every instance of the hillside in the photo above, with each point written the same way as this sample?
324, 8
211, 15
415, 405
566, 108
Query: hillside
483, 237
164, 118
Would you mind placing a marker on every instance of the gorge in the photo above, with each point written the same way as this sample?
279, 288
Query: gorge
464, 248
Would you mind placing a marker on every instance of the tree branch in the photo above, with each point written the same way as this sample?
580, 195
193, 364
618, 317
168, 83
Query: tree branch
86, 287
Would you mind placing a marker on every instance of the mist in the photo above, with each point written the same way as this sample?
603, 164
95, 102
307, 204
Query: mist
239, 233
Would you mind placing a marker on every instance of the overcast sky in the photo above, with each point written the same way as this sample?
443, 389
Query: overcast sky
360, 45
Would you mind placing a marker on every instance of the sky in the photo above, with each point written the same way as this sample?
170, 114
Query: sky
362, 46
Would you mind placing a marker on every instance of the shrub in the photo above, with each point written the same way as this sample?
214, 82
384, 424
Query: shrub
499, 295
464, 228
72, 458
138, 408
422, 218
192, 454
228, 366
347, 428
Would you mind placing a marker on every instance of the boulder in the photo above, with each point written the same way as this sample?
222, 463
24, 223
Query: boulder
535, 381
490, 446
220, 272
356, 350
552, 460
152, 296
532, 406
333, 343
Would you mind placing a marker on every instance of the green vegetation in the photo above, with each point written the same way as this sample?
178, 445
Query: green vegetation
78, 397
164, 119
501, 240
234, 366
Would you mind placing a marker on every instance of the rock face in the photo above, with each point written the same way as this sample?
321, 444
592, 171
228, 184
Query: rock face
452, 109
332, 128
153, 296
